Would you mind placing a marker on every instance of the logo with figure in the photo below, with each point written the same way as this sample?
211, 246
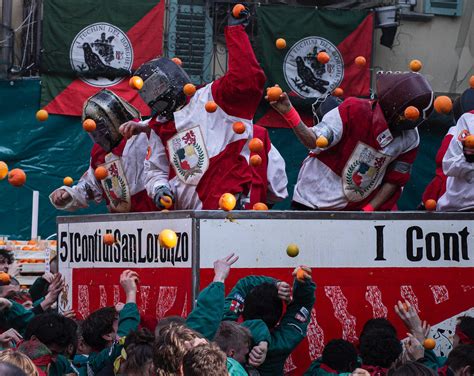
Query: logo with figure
305, 75
101, 54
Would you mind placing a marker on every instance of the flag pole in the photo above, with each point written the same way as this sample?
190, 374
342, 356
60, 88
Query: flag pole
34, 215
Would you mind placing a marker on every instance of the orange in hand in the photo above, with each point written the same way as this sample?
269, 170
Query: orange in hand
360, 61
280, 43
430, 205
136, 82
323, 57
429, 343
415, 65
227, 202
17, 177
301, 274
255, 145
238, 127
237, 9
177, 61
273, 93
42, 115
189, 89
322, 142
211, 106
338, 92
89, 125
443, 104
109, 239
100, 173
166, 201
259, 206
411, 113
255, 160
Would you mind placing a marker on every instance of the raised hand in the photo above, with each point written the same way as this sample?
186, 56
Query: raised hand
222, 267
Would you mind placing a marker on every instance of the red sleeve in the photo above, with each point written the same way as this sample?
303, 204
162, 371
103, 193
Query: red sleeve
239, 91
399, 170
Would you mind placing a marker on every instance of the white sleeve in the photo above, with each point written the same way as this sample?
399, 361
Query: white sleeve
276, 176
330, 127
157, 166
87, 189
454, 161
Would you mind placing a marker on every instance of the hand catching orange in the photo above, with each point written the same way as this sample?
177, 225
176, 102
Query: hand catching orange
273, 93
166, 201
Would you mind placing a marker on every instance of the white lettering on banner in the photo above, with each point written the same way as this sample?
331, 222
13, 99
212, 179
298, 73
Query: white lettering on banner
184, 312
116, 295
166, 299
466, 288
83, 300
339, 304
315, 337
144, 293
103, 296
374, 296
408, 294
440, 293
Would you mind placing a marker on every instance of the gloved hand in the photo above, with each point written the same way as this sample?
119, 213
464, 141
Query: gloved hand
243, 20
160, 192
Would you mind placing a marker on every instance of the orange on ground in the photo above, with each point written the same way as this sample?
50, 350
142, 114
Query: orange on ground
100, 173
168, 238
109, 239
280, 43
301, 274
4, 278
338, 92
259, 206
323, 57
189, 89
443, 104
430, 205
17, 177
211, 106
227, 202
3, 170
89, 125
136, 82
68, 181
238, 127
292, 250
273, 93
360, 61
255, 160
322, 142
471, 82
411, 113
166, 201
429, 344
42, 115
177, 61
237, 9
469, 141
415, 65
255, 145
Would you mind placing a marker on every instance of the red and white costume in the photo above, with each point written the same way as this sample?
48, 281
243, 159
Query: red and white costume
269, 179
198, 155
362, 155
123, 188
459, 193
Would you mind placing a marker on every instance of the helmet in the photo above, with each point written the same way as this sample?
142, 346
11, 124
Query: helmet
396, 91
464, 103
322, 107
108, 111
163, 82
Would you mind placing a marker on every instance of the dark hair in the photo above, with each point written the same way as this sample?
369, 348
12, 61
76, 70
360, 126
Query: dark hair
466, 324
166, 321
379, 324
262, 302
411, 369
461, 356
8, 369
98, 324
340, 355
377, 348
206, 360
5, 252
139, 348
232, 336
52, 328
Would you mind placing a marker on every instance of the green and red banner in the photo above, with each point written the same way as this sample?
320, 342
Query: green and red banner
90, 45
342, 34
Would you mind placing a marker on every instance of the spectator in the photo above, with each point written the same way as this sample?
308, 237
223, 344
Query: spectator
339, 356
39, 353
206, 359
139, 355
460, 361
378, 351
7, 369
20, 360
235, 340
411, 369
6, 259
464, 333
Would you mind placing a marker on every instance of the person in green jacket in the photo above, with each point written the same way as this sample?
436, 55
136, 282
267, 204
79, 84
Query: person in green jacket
257, 297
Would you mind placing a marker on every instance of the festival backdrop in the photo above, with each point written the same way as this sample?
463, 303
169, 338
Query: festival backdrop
89, 45
342, 34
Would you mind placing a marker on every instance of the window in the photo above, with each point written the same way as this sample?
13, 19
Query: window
444, 7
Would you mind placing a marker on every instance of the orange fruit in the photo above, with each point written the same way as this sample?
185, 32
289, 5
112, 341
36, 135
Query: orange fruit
3, 170
168, 238
42, 115
360, 61
405, 307
469, 141
211, 106
237, 9
101, 173
429, 343
255, 160
166, 201
177, 61
322, 142
323, 57
4, 278
89, 125
301, 275
259, 206
227, 202
135, 82
17, 177
109, 239
292, 250
189, 89
430, 205
443, 104
411, 113
415, 65
68, 181
273, 93
471, 82
238, 127
255, 145
280, 43
338, 92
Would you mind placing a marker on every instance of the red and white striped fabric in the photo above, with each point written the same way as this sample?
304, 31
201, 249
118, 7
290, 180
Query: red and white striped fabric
362, 155
198, 155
